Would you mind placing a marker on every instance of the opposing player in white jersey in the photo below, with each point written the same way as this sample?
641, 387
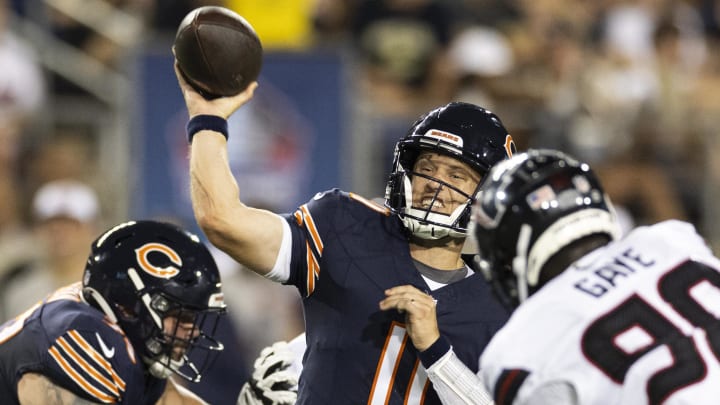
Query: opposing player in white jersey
599, 320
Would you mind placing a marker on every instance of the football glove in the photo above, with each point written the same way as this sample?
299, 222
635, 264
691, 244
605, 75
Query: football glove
272, 381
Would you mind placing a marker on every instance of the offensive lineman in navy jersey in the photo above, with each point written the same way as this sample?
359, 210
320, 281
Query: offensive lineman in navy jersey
144, 310
343, 252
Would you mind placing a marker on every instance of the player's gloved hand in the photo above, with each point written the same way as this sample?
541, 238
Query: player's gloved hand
272, 383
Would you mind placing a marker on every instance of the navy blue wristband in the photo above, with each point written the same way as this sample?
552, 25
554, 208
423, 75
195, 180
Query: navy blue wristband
429, 356
202, 122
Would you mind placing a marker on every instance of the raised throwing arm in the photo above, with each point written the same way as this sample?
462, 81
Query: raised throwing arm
251, 236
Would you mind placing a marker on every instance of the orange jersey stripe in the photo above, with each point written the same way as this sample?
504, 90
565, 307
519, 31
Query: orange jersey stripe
310, 225
426, 387
313, 269
384, 359
90, 351
85, 366
79, 380
370, 204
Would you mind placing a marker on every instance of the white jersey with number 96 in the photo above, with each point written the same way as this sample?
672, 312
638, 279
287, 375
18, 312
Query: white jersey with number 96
635, 322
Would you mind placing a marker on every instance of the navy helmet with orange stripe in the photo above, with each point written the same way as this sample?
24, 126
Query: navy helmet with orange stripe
161, 285
463, 131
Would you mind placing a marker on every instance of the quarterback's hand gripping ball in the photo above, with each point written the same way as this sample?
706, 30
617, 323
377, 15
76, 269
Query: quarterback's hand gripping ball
217, 51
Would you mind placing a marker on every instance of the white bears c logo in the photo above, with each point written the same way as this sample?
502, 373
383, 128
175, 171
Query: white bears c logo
143, 252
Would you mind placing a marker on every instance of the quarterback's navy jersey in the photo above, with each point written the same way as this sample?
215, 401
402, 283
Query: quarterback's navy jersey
77, 348
346, 251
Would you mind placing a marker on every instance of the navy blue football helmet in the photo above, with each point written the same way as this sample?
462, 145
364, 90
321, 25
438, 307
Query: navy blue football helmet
530, 207
161, 285
462, 131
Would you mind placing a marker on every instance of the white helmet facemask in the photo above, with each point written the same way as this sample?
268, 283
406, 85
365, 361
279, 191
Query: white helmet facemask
426, 224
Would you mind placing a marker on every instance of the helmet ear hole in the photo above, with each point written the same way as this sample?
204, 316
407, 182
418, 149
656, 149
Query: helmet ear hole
126, 313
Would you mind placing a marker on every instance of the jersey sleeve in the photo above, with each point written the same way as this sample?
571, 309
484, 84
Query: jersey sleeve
94, 364
680, 235
311, 225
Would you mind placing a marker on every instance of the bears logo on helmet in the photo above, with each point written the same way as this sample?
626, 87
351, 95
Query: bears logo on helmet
143, 257
179, 283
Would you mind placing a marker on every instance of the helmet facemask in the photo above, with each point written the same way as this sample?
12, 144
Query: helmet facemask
426, 221
172, 337
182, 341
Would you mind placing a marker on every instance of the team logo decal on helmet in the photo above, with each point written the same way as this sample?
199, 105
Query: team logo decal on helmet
445, 136
142, 253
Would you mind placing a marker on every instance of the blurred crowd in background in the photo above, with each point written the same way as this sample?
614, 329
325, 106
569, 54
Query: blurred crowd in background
631, 86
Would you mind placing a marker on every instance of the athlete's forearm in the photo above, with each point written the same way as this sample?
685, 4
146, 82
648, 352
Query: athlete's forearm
36, 389
251, 236
213, 189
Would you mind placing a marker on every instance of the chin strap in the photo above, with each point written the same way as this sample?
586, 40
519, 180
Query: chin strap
158, 369
429, 231
433, 225
163, 367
